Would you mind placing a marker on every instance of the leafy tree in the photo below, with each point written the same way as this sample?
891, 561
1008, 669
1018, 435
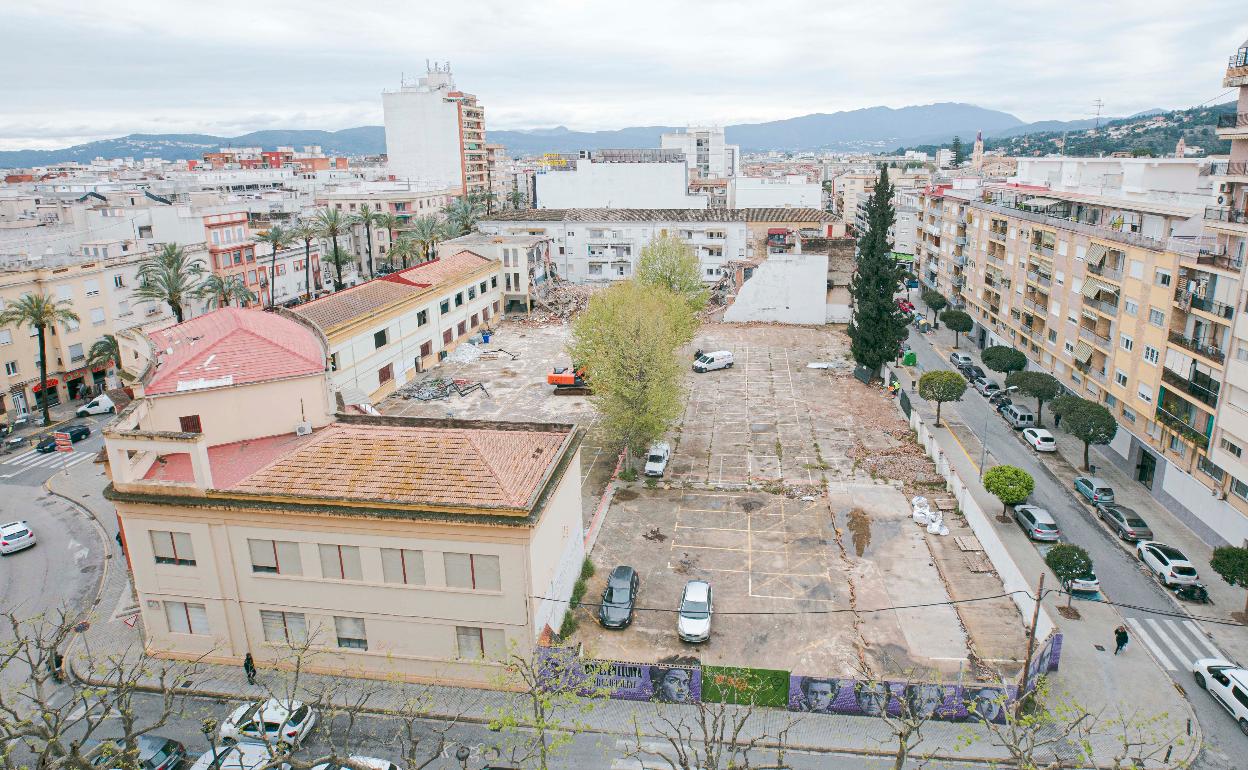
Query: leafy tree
484, 200
1008, 484
221, 291
366, 217
878, 326
669, 263
1087, 421
1004, 359
403, 249
940, 386
169, 276
959, 321
106, 351
517, 199
1041, 386
426, 232
959, 152
627, 340
338, 259
306, 232
1231, 563
461, 216
331, 224
553, 695
935, 301
39, 312
1069, 562
277, 238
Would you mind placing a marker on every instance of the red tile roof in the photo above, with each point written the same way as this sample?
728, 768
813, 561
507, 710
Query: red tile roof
233, 346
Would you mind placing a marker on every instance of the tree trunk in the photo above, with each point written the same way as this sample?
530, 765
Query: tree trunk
1039, 413
337, 266
307, 269
43, 375
368, 231
937, 414
1086, 446
273, 279
176, 307
955, 340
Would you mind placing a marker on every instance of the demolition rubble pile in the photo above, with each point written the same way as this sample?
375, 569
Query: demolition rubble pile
438, 388
904, 461
557, 304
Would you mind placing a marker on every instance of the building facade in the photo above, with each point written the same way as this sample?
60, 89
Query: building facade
436, 133
625, 179
707, 154
525, 260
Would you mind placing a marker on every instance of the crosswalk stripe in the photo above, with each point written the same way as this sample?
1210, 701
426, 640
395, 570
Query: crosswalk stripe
78, 457
1200, 637
1185, 638
1153, 648
1163, 640
16, 458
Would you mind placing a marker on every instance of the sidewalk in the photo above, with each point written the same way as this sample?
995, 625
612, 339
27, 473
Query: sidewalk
116, 629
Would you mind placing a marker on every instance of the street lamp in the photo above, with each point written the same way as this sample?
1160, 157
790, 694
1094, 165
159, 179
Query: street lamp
983, 440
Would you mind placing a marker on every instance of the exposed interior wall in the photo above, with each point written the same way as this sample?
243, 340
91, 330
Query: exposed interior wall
784, 288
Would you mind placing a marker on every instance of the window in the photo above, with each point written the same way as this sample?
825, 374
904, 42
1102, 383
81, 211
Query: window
6, 337
474, 322
426, 349
1151, 354
474, 571
400, 565
64, 292
1162, 277
1231, 447
1052, 336
340, 562
1145, 394
1128, 415
1209, 469
1127, 343
445, 307
494, 282
385, 374
275, 557
186, 618
173, 548
190, 424
480, 642
447, 336
459, 299
472, 292
1068, 346
1137, 268
10, 368
462, 328
284, 627
1239, 488
1120, 377
251, 277
422, 318
1130, 307
380, 339
97, 316
76, 353
350, 633
497, 304
119, 281
1156, 317
92, 287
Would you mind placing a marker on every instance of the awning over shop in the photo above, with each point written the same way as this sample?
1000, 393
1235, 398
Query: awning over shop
1083, 352
51, 382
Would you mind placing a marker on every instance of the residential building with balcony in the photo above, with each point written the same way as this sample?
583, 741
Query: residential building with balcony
707, 154
436, 133
525, 260
257, 520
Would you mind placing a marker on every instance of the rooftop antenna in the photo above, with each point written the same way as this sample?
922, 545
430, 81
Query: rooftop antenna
1098, 104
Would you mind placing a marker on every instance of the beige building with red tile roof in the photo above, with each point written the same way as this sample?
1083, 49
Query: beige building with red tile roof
384, 332
395, 547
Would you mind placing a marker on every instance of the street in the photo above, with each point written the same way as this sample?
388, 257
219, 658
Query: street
23, 466
1173, 642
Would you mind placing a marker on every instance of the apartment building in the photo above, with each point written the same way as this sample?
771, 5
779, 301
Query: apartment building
759, 192
706, 152
436, 133
383, 332
1118, 300
99, 284
295, 273
256, 520
525, 260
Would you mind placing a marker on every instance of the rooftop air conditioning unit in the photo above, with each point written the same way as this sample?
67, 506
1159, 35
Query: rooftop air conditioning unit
303, 429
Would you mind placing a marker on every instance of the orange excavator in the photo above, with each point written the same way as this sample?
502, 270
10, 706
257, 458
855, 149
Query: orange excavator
569, 381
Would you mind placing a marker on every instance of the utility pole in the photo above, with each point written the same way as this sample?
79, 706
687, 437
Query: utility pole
1031, 644
1098, 104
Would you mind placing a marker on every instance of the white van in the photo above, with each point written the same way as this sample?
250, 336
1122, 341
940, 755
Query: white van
1019, 416
101, 404
709, 362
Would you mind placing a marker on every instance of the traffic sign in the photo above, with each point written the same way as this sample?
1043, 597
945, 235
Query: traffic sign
63, 442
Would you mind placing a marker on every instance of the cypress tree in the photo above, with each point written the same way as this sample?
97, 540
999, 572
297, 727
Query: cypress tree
959, 154
878, 326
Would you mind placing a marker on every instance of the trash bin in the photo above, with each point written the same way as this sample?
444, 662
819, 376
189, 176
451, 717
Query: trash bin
485, 336
909, 359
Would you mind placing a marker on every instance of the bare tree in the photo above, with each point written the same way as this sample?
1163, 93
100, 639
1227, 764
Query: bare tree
909, 702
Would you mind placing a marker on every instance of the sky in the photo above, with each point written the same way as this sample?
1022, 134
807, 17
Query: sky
73, 71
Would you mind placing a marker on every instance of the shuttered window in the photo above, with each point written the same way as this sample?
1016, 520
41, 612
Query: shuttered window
351, 634
184, 618
173, 548
474, 571
340, 562
475, 642
284, 627
278, 557
399, 565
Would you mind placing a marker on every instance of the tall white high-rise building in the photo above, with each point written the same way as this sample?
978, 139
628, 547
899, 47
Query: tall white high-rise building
706, 153
435, 132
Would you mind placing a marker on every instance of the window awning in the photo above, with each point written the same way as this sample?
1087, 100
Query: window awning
1083, 352
1089, 314
1096, 253
1093, 286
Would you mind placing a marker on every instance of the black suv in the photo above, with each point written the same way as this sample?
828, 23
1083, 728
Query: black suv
48, 442
616, 610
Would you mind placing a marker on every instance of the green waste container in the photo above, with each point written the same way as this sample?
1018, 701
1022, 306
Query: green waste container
909, 359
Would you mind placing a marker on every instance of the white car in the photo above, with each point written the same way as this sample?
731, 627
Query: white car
1087, 583
693, 622
101, 404
273, 721
1228, 684
1040, 439
657, 457
1166, 562
370, 762
15, 536
239, 756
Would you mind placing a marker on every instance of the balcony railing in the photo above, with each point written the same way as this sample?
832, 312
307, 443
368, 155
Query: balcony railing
1216, 256
1200, 393
1213, 307
1225, 214
1229, 168
1233, 120
1196, 346
1041, 248
960, 240
1032, 304
1097, 374
959, 260
1181, 426
1112, 273
996, 258
1091, 336
1104, 307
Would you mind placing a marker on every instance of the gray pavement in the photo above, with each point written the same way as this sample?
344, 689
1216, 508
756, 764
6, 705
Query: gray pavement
1172, 642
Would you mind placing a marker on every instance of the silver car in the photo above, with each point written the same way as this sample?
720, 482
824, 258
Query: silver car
1037, 523
693, 622
15, 536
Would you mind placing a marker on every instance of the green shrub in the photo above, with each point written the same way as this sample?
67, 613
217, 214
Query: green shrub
568, 627
628, 474
587, 569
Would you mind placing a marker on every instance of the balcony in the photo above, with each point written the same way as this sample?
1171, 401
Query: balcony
1225, 214
1181, 427
959, 281
1104, 271
1107, 308
996, 259
960, 240
1206, 393
1233, 120
1212, 307
1096, 374
1041, 249
1091, 336
1032, 304
959, 260
1229, 168
1196, 346
1215, 256
1039, 279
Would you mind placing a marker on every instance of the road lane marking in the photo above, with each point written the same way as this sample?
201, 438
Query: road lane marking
1153, 648
1183, 637
1214, 652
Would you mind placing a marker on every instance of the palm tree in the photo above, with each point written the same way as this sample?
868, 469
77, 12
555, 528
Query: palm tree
277, 238
391, 223
39, 311
337, 258
404, 248
462, 215
483, 199
223, 292
306, 232
105, 351
330, 224
426, 232
367, 217
169, 276
517, 199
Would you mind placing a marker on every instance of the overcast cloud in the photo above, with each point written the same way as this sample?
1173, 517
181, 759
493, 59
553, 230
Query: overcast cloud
76, 71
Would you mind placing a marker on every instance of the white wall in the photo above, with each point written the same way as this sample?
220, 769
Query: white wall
1220, 515
422, 135
618, 185
754, 192
785, 288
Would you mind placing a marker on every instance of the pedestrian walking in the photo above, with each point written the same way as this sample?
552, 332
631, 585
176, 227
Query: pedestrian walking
1057, 420
1120, 639
249, 668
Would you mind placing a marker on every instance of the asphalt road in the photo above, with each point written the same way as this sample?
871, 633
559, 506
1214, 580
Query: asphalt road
23, 466
1122, 580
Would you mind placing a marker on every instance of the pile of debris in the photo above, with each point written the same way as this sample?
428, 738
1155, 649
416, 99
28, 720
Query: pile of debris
557, 303
902, 461
437, 388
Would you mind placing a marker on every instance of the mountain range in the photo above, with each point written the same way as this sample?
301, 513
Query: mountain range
871, 128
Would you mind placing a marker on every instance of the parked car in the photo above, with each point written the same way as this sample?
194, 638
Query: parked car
986, 387
1125, 521
1040, 439
693, 621
1037, 522
155, 752
972, 372
48, 442
15, 536
657, 457
618, 598
709, 362
101, 404
237, 756
1087, 583
1019, 416
271, 721
1228, 684
1167, 562
1096, 490
960, 360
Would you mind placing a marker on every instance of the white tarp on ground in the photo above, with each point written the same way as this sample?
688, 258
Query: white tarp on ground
784, 288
